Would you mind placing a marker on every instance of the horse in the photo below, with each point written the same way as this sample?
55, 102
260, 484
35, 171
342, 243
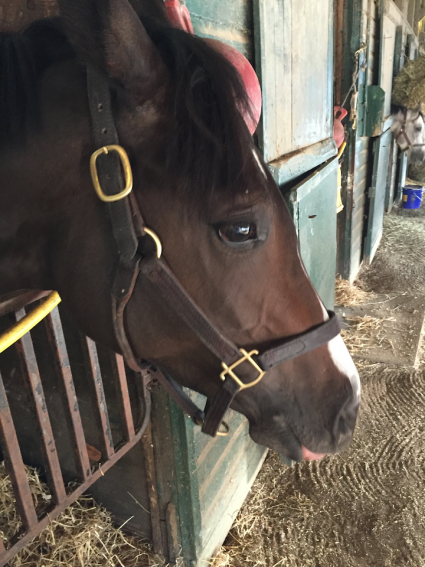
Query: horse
408, 129
196, 190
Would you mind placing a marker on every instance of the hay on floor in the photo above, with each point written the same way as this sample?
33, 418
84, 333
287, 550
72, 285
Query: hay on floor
82, 536
364, 333
347, 294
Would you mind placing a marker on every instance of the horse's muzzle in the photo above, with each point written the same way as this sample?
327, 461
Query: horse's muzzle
417, 156
345, 423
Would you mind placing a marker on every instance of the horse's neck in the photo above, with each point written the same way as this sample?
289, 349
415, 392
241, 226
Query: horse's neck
21, 240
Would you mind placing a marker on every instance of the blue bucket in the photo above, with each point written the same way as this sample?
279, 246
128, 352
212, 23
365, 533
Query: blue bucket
412, 196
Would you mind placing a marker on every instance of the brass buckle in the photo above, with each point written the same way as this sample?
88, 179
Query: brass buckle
229, 369
128, 175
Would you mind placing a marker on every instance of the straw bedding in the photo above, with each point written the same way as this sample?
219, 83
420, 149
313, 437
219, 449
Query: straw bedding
83, 536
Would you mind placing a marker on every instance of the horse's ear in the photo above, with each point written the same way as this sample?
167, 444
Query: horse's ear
110, 33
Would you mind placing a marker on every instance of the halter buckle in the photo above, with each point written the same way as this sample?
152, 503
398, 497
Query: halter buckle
128, 175
247, 356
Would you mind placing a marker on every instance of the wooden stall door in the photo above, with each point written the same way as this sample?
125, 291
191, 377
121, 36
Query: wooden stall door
387, 50
202, 481
381, 191
375, 221
313, 206
294, 53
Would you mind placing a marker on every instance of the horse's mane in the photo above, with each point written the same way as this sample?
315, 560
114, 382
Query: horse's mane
23, 58
212, 144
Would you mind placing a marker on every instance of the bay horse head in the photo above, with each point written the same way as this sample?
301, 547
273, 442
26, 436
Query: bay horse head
408, 129
227, 237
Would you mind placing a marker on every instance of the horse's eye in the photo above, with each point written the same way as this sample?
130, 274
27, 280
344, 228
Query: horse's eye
237, 232
418, 128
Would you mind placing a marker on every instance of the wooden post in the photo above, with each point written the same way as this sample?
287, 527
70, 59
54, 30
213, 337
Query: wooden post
338, 49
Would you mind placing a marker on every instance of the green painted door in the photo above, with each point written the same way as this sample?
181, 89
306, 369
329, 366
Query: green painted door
294, 55
381, 154
201, 481
313, 205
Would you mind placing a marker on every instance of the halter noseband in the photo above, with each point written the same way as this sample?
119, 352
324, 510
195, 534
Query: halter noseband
242, 369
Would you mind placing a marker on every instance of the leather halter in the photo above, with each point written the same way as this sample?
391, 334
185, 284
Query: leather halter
403, 132
241, 368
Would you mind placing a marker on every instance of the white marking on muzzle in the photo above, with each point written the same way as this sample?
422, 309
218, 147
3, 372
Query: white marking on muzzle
340, 355
343, 361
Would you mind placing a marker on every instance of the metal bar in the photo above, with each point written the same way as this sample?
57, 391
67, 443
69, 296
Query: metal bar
57, 341
123, 398
29, 365
54, 513
19, 301
14, 464
26, 323
101, 407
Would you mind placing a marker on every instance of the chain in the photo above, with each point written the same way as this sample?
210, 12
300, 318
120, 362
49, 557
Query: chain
354, 96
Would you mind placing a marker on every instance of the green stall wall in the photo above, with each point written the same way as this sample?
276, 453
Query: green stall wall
231, 22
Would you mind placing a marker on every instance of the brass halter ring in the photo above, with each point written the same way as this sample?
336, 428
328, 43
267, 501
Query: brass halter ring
225, 432
156, 239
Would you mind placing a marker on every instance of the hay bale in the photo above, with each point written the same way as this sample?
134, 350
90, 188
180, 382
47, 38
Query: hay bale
82, 536
409, 85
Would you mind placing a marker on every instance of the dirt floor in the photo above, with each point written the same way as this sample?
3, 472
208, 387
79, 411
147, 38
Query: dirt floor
366, 507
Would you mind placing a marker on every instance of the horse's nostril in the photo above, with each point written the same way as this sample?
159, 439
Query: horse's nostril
346, 421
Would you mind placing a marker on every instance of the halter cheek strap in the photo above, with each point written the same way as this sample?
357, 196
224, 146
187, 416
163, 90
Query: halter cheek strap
241, 369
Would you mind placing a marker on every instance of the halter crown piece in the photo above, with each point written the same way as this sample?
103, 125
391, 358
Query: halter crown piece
241, 369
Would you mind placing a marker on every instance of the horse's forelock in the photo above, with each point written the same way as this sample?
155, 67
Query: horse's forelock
209, 149
212, 146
